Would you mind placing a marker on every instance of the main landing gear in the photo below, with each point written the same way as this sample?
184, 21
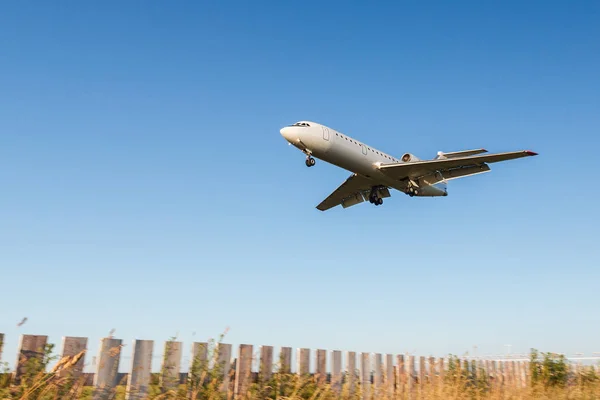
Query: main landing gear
412, 189
310, 161
374, 198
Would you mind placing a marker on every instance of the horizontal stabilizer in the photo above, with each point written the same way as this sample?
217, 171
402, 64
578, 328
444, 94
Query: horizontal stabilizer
464, 153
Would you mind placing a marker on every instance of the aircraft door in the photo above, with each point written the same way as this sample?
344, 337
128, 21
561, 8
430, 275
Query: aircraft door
325, 133
364, 149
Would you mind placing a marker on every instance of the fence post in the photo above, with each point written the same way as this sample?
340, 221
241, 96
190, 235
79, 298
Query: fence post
432, 374
303, 361
71, 346
170, 366
442, 371
411, 377
365, 375
141, 364
351, 370
401, 380
285, 359
243, 370
1, 344
422, 374
198, 366
224, 365
377, 374
105, 379
30, 347
321, 366
336, 372
513, 372
266, 363
487, 368
389, 375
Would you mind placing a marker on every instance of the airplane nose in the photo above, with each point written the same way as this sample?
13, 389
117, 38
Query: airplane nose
286, 132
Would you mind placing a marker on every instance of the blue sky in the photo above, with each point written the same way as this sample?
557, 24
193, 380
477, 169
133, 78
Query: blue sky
146, 187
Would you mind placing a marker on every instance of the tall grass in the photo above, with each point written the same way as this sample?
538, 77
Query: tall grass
549, 377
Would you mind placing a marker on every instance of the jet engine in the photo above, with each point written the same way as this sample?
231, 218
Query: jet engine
410, 158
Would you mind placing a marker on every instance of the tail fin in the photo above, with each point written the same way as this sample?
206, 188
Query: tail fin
456, 154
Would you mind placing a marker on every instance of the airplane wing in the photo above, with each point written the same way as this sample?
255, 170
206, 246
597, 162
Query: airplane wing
416, 169
353, 191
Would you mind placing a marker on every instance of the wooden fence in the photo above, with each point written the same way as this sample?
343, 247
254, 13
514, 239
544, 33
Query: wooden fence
375, 374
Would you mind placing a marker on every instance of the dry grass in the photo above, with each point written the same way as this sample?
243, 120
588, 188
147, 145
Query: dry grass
206, 382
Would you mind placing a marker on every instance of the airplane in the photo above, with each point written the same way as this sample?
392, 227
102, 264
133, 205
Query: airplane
374, 172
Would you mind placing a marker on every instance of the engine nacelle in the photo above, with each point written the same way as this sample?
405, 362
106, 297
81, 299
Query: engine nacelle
407, 157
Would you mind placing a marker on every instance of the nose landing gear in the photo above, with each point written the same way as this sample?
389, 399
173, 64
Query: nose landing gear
310, 161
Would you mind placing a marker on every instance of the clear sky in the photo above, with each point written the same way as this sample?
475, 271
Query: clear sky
146, 187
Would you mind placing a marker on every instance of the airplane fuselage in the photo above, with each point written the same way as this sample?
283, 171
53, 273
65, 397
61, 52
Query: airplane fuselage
346, 152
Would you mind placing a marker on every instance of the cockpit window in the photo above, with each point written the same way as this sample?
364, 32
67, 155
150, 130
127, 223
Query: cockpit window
301, 124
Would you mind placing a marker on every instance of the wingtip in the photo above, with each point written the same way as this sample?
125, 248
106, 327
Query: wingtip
531, 153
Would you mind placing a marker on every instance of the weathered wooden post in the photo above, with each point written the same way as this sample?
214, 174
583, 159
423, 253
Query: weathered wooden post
474, 370
105, 379
513, 373
442, 374
422, 375
523, 374
411, 377
527, 374
303, 361
321, 366
401, 379
432, 374
223, 365
285, 360
169, 377
351, 370
389, 375
377, 375
71, 346
336, 372
467, 368
243, 371
141, 364
198, 367
365, 375
31, 347
494, 373
266, 363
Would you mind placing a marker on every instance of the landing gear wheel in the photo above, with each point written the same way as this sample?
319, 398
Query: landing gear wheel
310, 161
379, 201
412, 191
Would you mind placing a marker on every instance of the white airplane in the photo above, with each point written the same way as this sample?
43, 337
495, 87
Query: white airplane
375, 172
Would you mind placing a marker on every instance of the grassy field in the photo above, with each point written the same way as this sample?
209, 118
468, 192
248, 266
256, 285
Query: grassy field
549, 377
